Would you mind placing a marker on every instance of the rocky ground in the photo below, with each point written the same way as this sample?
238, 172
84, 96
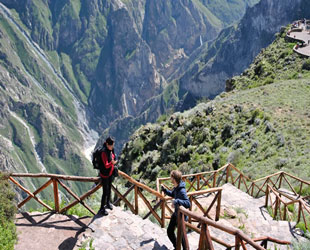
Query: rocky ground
123, 230
37, 231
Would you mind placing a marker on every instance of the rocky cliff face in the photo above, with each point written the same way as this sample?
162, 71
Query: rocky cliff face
43, 125
236, 46
110, 63
115, 56
118, 54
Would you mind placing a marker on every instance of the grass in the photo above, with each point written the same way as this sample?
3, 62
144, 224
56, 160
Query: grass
301, 245
77, 210
8, 236
215, 21
87, 245
130, 54
304, 192
275, 63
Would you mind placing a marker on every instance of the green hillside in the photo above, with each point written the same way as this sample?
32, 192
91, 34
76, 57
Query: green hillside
276, 63
262, 126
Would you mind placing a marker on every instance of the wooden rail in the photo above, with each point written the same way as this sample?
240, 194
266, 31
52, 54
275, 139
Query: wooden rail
277, 181
230, 174
211, 179
206, 239
159, 205
279, 202
56, 179
205, 183
155, 200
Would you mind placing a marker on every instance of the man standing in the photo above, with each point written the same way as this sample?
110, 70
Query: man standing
180, 199
106, 171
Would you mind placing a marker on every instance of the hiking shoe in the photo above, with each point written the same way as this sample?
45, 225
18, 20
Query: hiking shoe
103, 212
109, 206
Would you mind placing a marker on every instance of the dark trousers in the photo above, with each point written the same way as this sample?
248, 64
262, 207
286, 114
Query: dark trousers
106, 191
170, 230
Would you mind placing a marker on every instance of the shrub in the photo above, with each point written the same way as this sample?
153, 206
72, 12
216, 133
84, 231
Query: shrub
306, 65
177, 139
302, 226
259, 69
268, 80
291, 208
291, 45
162, 118
8, 235
138, 146
304, 192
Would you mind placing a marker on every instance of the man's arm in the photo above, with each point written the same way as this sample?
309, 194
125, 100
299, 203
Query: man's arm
166, 191
183, 200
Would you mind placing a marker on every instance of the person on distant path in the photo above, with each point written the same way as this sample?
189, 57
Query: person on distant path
106, 171
180, 199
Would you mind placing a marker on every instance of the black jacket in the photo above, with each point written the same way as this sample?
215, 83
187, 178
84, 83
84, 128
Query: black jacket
179, 195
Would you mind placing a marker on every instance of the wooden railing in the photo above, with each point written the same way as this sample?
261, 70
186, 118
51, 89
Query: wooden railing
206, 239
271, 183
56, 179
211, 179
198, 184
279, 203
155, 200
196, 205
152, 199
230, 174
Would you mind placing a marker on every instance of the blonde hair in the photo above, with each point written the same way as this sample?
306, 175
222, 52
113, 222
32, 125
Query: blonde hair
177, 175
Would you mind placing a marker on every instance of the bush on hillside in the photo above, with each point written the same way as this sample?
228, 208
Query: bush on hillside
306, 65
8, 235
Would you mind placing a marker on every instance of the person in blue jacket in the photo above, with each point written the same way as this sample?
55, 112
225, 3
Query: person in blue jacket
178, 193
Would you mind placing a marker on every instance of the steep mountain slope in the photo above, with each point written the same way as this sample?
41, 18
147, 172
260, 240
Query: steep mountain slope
43, 126
117, 55
236, 46
204, 73
261, 130
67, 66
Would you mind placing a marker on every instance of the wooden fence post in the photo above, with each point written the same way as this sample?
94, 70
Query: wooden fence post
214, 179
266, 199
299, 211
136, 200
205, 233
198, 182
237, 242
163, 216
276, 208
218, 206
285, 208
56, 196
280, 182
180, 233
227, 173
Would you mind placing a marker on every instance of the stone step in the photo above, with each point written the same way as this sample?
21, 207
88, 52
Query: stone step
124, 230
